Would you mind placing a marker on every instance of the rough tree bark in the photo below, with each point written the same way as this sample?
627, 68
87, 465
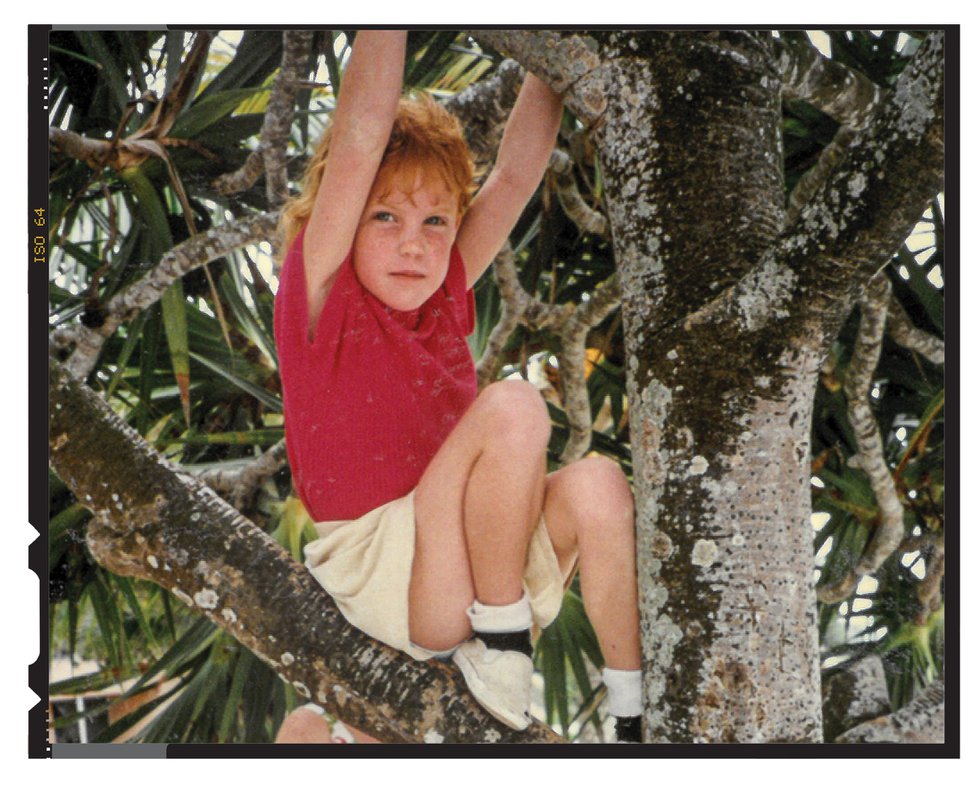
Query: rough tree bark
728, 314
722, 401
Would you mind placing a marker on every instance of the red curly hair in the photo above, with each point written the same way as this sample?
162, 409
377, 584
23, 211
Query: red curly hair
426, 142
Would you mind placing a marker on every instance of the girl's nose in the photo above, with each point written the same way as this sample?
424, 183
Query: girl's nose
411, 245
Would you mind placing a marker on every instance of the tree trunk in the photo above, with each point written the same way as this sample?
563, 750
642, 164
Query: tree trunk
727, 318
719, 419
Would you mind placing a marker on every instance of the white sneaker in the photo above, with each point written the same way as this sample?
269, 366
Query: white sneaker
500, 681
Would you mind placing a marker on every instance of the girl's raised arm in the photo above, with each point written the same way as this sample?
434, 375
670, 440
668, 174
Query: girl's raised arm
360, 130
525, 149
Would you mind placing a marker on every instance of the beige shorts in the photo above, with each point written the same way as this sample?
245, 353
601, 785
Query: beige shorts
366, 564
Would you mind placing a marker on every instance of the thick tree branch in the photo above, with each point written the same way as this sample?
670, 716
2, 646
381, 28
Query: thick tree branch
889, 173
91, 151
155, 521
858, 218
853, 695
845, 95
568, 62
921, 721
274, 137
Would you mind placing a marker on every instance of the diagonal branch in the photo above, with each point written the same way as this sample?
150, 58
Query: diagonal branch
274, 137
588, 220
891, 170
185, 257
239, 486
906, 334
92, 151
483, 108
155, 521
871, 454
811, 181
846, 95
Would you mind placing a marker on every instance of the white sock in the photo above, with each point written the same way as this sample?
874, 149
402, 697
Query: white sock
501, 618
625, 697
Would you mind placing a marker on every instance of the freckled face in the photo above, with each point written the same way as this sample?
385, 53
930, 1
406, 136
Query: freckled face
403, 240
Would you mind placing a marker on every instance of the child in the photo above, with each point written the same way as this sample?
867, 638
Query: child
440, 532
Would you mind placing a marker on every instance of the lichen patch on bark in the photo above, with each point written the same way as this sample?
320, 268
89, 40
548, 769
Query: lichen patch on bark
765, 294
698, 466
705, 552
206, 599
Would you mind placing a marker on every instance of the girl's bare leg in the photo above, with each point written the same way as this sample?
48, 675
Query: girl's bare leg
475, 508
588, 510
305, 726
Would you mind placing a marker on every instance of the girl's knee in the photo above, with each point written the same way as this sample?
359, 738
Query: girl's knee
513, 409
597, 494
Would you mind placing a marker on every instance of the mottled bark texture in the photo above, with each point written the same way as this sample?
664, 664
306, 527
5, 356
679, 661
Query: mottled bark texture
853, 695
847, 96
691, 155
728, 313
903, 332
921, 721
890, 528
154, 521
239, 487
483, 108
568, 61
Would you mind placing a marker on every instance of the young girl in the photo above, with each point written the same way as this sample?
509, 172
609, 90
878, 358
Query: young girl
440, 532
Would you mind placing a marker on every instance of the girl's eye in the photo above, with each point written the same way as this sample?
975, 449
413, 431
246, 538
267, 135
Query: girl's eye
383, 216
435, 220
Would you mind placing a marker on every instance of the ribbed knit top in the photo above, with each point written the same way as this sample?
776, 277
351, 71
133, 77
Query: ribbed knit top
372, 397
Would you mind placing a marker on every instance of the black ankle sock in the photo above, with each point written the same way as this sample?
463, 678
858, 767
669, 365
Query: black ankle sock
519, 641
628, 729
